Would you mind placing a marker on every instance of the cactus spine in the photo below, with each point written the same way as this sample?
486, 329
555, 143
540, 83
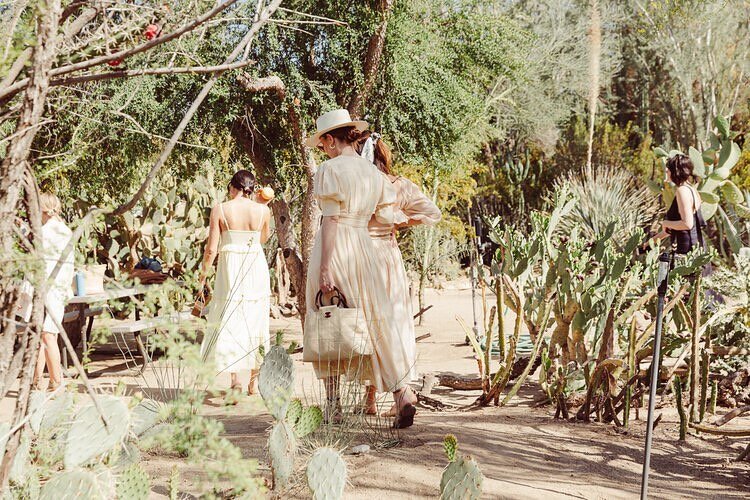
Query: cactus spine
450, 445
309, 421
326, 474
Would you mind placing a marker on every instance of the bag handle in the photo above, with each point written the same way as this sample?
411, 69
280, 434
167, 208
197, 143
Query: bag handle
338, 299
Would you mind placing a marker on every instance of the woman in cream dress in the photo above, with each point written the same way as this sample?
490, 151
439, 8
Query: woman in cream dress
239, 309
350, 191
399, 351
55, 237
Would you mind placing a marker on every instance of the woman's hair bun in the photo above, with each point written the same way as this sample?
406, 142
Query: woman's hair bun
346, 134
243, 180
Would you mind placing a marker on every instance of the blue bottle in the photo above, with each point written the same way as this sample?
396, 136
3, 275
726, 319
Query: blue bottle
80, 284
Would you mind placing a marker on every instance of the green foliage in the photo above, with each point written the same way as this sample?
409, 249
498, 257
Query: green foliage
606, 195
326, 474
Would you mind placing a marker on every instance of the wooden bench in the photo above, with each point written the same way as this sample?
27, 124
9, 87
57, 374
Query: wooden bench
140, 326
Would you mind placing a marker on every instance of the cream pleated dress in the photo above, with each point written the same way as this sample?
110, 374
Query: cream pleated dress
398, 348
238, 314
353, 189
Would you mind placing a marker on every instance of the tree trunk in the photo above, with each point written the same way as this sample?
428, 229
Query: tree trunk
373, 56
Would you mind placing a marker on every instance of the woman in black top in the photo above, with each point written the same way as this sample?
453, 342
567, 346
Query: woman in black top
683, 220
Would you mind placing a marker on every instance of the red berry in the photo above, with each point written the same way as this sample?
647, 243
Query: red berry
152, 31
115, 62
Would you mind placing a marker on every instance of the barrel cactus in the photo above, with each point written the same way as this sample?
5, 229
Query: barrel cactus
461, 480
88, 437
326, 474
282, 446
133, 484
276, 381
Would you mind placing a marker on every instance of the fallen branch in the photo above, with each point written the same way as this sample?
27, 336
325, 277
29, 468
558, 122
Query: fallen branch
731, 415
422, 311
721, 432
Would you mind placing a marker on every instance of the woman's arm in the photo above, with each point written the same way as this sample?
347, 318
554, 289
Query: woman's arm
417, 207
328, 229
265, 231
686, 207
212, 245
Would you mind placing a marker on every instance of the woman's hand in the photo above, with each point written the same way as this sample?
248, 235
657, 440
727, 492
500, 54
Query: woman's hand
326, 281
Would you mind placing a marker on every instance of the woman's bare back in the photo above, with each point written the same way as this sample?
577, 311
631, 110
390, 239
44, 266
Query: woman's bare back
243, 214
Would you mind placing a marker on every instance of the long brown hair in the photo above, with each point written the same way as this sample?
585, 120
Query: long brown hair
383, 155
345, 134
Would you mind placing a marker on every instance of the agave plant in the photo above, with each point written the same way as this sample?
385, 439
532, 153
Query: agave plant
603, 196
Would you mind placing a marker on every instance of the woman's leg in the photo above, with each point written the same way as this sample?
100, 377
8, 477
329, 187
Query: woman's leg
251, 387
234, 382
52, 356
369, 405
39, 369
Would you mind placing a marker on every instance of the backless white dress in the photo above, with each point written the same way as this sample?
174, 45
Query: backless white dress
238, 314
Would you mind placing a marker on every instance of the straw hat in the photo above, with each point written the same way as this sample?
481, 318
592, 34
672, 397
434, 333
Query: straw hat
332, 120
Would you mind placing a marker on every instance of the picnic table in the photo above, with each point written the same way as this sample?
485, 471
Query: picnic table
81, 311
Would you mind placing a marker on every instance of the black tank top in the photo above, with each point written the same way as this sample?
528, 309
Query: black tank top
682, 239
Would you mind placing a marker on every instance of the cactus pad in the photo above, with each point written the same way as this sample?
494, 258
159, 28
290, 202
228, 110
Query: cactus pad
326, 474
282, 446
19, 469
78, 483
133, 484
450, 445
276, 381
88, 437
144, 416
294, 411
462, 480
308, 421
4, 430
48, 414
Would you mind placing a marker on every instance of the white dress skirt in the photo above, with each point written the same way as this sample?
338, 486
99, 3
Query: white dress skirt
238, 314
55, 237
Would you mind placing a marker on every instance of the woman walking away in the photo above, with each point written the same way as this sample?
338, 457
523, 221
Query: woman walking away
238, 314
55, 237
350, 191
397, 351
684, 221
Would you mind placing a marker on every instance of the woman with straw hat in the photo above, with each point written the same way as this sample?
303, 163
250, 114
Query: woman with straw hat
350, 191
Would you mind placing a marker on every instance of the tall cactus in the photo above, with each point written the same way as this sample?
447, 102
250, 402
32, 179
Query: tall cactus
88, 437
326, 474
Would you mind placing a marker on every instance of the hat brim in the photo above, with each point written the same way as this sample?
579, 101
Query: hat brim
314, 140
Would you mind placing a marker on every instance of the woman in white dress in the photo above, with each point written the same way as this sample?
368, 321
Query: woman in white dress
399, 348
55, 237
238, 315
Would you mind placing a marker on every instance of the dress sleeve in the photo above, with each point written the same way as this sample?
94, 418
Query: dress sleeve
385, 209
328, 191
415, 206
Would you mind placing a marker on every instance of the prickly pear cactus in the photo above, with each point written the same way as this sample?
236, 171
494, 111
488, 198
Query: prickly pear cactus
309, 421
4, 430
450, 445
88, 437
294, 411
276, 381
128, 455
76, 484
19, 470
462, 480
48, 414
144, 416
326, 474
133, 484
282, 446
